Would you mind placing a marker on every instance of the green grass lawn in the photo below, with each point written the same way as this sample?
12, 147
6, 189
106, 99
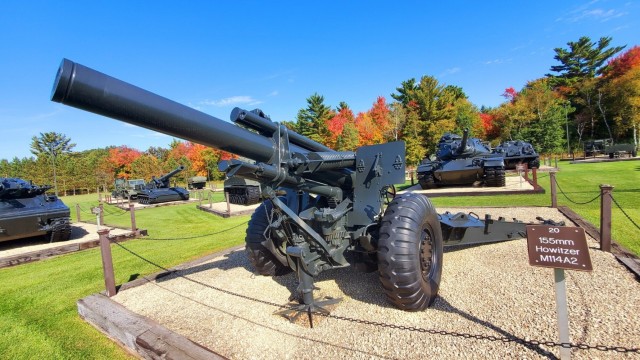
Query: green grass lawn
38, 315
580, 183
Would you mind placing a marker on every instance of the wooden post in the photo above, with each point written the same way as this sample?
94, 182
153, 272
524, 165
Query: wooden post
101, 213
534, 173
132, 212
412, 181
226, 195
525, 167
78, 212
210, 200
605, 217
554, 197
200, 196
107, 262
556, 159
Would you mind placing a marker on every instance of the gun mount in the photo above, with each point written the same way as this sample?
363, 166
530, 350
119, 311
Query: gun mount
26, 210
461, 161
159, 190
324, 209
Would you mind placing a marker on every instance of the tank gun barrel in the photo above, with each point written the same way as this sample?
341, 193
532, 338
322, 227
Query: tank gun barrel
463, 142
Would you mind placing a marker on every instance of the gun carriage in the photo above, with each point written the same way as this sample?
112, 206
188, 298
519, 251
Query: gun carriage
324, 209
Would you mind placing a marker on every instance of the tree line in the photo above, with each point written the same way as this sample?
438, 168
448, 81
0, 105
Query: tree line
590, 94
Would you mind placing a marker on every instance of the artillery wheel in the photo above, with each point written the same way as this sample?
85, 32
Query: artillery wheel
427, 181
410, 252
494, 177
265, 262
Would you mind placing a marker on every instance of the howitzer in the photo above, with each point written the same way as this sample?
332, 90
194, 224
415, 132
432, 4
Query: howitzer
325, 209
159, 190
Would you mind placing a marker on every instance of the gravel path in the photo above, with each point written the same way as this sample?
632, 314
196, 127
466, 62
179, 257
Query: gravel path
486, 291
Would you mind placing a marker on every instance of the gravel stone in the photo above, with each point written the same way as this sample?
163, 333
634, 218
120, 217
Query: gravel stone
486, 291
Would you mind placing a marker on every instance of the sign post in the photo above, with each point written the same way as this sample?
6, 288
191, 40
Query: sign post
560, 248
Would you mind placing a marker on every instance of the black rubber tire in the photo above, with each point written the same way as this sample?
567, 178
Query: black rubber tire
410, 252
265, 262
534, 164
427, 181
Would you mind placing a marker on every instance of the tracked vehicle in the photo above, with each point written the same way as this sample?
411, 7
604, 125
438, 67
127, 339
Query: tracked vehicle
160, 190
26, 210
461, 161
518, 152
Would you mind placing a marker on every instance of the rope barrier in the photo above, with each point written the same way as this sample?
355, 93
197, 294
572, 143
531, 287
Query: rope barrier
624, 212
570, 200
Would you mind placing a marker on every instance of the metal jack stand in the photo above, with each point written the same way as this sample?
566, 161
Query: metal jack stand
309, 305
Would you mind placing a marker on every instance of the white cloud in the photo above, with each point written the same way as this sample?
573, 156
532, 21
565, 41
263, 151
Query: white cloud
450, 71
496, 61
230, 101
274, 93
585, 12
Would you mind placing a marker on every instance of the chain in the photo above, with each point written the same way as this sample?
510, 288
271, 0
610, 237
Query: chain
504, 339
577, 203
624, 212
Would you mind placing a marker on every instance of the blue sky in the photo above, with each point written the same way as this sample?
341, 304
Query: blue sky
272, 55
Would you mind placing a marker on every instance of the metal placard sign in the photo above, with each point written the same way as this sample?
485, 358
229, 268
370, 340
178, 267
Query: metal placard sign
560, 247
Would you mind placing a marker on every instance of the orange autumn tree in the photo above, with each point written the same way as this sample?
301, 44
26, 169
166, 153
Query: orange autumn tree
381, 117
120, 159
374, 126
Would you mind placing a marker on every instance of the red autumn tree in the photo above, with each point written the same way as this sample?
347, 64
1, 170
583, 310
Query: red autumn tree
510, 94
120, 159
622, 64
336, 125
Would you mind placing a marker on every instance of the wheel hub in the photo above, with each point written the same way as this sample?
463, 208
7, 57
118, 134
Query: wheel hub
426, 254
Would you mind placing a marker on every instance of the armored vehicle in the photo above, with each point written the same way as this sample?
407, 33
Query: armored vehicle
160, 190
324, 209
518, 152
461, 161
26, 210
196, 182
127, 189
242, 191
